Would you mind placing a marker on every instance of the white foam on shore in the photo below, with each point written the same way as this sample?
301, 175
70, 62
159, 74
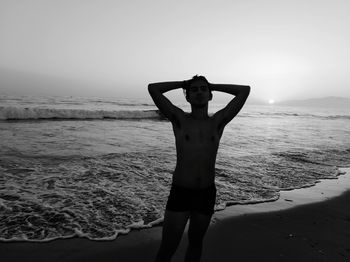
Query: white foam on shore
323, 190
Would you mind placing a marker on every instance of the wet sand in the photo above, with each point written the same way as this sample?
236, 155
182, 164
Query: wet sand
309, 224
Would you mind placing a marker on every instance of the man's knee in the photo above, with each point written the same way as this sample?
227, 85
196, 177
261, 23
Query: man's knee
195, 240
163, 255
168, 248
196, 232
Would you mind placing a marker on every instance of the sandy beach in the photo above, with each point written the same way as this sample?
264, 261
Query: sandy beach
309, 224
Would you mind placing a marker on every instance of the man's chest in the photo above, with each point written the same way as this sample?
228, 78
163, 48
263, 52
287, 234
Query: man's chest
196, 131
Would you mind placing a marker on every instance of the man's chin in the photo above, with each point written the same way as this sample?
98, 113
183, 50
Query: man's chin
200, 105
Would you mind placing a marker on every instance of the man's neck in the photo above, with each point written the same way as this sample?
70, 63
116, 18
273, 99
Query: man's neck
199, 112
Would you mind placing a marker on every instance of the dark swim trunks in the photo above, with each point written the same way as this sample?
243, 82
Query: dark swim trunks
201, 200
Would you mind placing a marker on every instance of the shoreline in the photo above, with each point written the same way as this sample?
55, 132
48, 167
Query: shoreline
307, 224
323, 190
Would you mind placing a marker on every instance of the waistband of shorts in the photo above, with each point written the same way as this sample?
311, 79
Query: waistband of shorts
212, 186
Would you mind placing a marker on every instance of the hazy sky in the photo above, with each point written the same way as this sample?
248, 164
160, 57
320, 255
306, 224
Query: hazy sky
282, 49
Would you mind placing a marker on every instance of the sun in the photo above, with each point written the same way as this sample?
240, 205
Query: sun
271, 101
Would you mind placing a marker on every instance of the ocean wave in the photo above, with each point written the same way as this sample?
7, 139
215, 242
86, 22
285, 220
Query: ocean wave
18, 113
119, 103
338, 117
290, 114
30, 113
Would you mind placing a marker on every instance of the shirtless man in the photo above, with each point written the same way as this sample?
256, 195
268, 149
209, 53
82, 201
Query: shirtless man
197, 136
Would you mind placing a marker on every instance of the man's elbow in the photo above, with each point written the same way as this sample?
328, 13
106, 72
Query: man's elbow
247, 90
150, 88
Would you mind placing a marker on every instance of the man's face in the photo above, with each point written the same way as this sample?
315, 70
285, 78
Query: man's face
198, 93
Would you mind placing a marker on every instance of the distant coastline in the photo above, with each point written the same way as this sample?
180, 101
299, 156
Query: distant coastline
330, 101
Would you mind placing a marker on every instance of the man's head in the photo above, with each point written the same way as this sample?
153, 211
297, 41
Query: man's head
197, 91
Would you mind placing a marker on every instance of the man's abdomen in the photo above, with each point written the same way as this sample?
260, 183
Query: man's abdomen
194, 175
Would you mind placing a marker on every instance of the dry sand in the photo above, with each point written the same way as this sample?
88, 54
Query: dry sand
310, 224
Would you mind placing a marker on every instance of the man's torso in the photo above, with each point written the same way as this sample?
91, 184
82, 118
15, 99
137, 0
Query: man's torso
197, 142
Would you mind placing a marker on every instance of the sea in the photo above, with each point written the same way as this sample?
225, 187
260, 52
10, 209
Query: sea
97, 168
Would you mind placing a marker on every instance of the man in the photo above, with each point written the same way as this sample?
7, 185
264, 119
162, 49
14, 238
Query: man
197, 136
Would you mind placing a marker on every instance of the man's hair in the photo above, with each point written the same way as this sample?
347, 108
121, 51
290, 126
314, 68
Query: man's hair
187, 84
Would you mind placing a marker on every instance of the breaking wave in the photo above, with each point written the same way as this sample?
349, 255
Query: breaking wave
37, 113
17, 113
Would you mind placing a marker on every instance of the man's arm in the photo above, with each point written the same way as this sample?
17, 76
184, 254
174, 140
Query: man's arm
156, 91
241, 94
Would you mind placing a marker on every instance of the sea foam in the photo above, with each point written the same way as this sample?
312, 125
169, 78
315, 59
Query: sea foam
17, 113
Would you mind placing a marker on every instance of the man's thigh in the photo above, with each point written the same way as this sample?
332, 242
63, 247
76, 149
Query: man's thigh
199, 224
173, 226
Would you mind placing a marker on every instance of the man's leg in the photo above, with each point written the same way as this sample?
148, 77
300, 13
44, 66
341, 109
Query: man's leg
173, 228
198, 227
